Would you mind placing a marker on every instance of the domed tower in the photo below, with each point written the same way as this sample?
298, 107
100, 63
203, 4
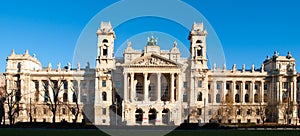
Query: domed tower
105, 64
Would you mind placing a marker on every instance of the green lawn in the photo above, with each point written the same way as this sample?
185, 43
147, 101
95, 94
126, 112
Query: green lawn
53, 132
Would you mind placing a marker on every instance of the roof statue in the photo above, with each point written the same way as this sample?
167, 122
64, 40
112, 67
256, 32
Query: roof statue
152, 41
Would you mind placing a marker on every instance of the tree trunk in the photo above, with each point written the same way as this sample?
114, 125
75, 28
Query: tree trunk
53, 118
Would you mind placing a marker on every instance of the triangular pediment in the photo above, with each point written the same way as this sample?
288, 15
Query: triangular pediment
153, 60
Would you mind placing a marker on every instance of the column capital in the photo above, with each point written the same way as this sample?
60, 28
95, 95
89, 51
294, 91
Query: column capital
131, 74
145, 73
158, 74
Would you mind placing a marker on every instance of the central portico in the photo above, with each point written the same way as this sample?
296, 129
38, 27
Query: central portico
152, 85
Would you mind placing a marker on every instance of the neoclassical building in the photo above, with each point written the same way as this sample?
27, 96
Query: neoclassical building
157, 87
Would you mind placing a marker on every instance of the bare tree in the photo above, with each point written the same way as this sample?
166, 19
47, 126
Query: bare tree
2, 100
12, 97
74, 106
228, 107
52, 89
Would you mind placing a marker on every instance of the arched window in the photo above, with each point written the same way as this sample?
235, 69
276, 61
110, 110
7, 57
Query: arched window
246, 97
105, 41
139, 116
65, 97
256, 98
198, 41
218, 99
152, 115
104, 96
237, 98
209, 98
199, 96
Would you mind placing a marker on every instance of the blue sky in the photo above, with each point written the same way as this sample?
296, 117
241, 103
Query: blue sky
249, 30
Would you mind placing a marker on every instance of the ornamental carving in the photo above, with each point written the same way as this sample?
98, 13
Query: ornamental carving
153, 61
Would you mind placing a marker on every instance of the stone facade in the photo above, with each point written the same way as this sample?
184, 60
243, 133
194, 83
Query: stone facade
159, 87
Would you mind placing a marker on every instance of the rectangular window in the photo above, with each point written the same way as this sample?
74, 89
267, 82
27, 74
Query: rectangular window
103, 83
104, 52
237, 87
185, 97
218, 86
44, 111
199, 52
63, 110
246, 86
208, 86
238, 112
265, 87
227, 86
209, 112
199, 84
55, 84
256, 87
46, 96
103, 111
285, 85
118, 85
185, 84
249, 112
199, 111
104, 121
75, 84
34, 111
83, 85
65, 84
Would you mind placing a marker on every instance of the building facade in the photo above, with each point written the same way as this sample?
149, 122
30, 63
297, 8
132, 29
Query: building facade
157, 87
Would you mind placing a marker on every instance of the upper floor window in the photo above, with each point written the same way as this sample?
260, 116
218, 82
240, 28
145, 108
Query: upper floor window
105, 41
198, 41
285, 85
104, 96
105, 52
218, 98
103, 83
199, 84
199, 96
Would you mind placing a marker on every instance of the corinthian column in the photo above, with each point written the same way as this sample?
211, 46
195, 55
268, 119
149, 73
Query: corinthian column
132, 86
125, 86
146, 86
172, 87
158, 86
